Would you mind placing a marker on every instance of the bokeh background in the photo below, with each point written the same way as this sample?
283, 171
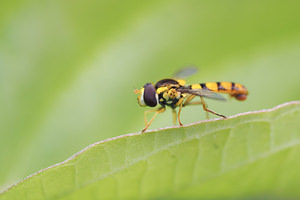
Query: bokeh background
68, 68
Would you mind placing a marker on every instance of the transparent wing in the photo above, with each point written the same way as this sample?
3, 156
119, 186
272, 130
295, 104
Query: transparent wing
185, 72
202, 93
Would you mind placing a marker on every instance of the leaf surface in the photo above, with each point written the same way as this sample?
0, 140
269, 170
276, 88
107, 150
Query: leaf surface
252, 154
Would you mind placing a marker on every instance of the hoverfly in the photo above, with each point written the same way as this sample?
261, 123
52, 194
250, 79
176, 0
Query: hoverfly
174, 93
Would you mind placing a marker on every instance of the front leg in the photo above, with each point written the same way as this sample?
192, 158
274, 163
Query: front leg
159, 110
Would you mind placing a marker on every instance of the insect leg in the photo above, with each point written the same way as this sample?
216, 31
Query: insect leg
196, 103
179, 115
146, 112
205, 108
174, 116
188, 103
159, 110
181, 103
189, 99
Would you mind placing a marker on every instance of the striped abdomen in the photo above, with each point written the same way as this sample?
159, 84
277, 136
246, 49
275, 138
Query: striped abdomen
235, 90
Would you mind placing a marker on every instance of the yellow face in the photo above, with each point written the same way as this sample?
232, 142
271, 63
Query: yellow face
140, 97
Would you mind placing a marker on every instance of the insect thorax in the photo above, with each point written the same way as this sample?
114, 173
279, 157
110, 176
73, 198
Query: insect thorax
168, 96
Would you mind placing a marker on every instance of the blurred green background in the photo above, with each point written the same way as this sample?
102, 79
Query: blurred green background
69, 68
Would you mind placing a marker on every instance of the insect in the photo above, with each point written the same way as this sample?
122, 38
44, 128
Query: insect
173, 92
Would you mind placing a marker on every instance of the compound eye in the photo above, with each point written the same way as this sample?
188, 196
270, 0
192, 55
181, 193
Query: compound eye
150, 96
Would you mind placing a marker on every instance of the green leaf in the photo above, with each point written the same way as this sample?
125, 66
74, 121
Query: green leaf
250, 155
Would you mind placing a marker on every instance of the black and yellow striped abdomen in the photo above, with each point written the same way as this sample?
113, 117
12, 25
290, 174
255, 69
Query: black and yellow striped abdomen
235, 90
